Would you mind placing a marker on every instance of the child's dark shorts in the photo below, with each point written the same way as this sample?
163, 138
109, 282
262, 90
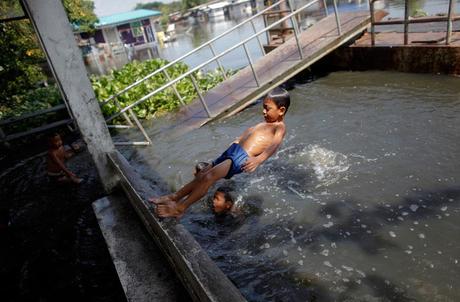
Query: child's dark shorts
238, 157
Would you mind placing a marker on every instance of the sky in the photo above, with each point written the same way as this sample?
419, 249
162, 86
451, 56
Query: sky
109, 7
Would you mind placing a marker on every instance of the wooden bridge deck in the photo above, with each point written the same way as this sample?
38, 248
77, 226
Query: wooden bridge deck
273, 69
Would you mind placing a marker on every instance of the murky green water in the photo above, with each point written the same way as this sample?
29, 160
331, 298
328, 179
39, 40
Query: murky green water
190, 34
361, 202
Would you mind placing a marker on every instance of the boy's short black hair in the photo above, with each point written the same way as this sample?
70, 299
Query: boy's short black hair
51, 136
227, 193
281, 97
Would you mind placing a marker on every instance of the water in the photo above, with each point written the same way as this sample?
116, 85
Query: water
361, 202
191, 35
51, 245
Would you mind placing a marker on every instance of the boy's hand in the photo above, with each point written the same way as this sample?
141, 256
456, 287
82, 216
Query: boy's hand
251, 164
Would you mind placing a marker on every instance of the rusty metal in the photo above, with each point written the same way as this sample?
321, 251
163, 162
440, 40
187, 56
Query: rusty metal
371, 8
406, 22
449, 22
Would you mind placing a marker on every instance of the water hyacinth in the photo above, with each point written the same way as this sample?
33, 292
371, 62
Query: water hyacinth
164, 101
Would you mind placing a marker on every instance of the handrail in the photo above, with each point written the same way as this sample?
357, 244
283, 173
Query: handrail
406, 21
189, 53
31, 115
210, 60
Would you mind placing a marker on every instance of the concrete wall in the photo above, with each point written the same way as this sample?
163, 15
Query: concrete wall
57, 39
420, 59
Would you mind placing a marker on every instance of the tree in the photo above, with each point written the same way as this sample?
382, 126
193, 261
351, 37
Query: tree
81, 14
21, 57
192, 3
151, 5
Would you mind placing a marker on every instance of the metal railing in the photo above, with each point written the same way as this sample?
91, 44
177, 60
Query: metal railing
407, 20
4, 137
291, 16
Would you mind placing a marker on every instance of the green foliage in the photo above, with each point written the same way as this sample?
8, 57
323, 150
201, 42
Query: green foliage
164, 101
20, 56
151, 5
21, 59
81, 14
33, 100
192, 3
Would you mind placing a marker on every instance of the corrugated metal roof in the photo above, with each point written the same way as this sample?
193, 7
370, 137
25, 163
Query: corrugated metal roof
126, 17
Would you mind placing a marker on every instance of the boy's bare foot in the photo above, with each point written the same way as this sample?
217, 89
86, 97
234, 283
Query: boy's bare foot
170, 209
162, 199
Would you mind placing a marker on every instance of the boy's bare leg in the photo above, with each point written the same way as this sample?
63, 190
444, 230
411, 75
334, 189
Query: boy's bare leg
184, 191
199, 187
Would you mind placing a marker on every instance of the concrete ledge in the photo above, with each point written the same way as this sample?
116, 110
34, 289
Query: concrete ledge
418, 59
143, 274
198, 273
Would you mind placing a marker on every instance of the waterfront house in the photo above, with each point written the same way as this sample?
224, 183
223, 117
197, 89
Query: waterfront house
120, 38
134, 27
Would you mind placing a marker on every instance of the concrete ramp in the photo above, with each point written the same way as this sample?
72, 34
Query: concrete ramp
272, 70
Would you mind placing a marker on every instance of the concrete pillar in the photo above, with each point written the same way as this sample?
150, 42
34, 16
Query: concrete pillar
57, 39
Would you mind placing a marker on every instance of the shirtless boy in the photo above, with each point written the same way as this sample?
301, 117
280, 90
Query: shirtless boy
251, 149
57, 154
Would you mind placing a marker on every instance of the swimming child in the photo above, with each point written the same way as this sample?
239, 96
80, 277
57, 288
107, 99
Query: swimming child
57, 154
222, 201
251, 149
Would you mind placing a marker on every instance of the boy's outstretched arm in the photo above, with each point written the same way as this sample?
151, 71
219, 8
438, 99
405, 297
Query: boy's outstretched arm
252, 163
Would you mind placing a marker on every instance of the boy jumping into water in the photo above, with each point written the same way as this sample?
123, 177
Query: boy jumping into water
252, 148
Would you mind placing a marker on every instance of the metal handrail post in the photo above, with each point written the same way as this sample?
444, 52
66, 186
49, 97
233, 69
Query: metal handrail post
449, 22
181, 100
406, 22
196, 68
252, 65
296, 30
258, 39
197, 89
190, 52
325, 7
139, 125
125, 116
218, 61
337, 19
371, 8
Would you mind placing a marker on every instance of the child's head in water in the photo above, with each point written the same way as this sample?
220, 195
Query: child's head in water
275, 105
222, 201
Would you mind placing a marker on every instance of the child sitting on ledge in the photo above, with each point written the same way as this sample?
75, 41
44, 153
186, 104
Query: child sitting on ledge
57, 154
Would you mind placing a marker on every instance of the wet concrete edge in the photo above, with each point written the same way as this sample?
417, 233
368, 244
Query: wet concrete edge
198, 273
143, 274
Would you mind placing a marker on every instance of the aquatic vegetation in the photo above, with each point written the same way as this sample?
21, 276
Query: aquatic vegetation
164, 101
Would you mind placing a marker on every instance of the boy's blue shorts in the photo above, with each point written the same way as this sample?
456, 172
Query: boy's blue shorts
238, 157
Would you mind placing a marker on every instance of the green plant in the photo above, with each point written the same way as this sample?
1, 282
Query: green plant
161, 102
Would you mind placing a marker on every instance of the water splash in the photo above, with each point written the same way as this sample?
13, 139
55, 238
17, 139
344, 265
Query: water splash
327, 164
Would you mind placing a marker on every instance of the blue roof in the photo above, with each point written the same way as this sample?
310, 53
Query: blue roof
126, 17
